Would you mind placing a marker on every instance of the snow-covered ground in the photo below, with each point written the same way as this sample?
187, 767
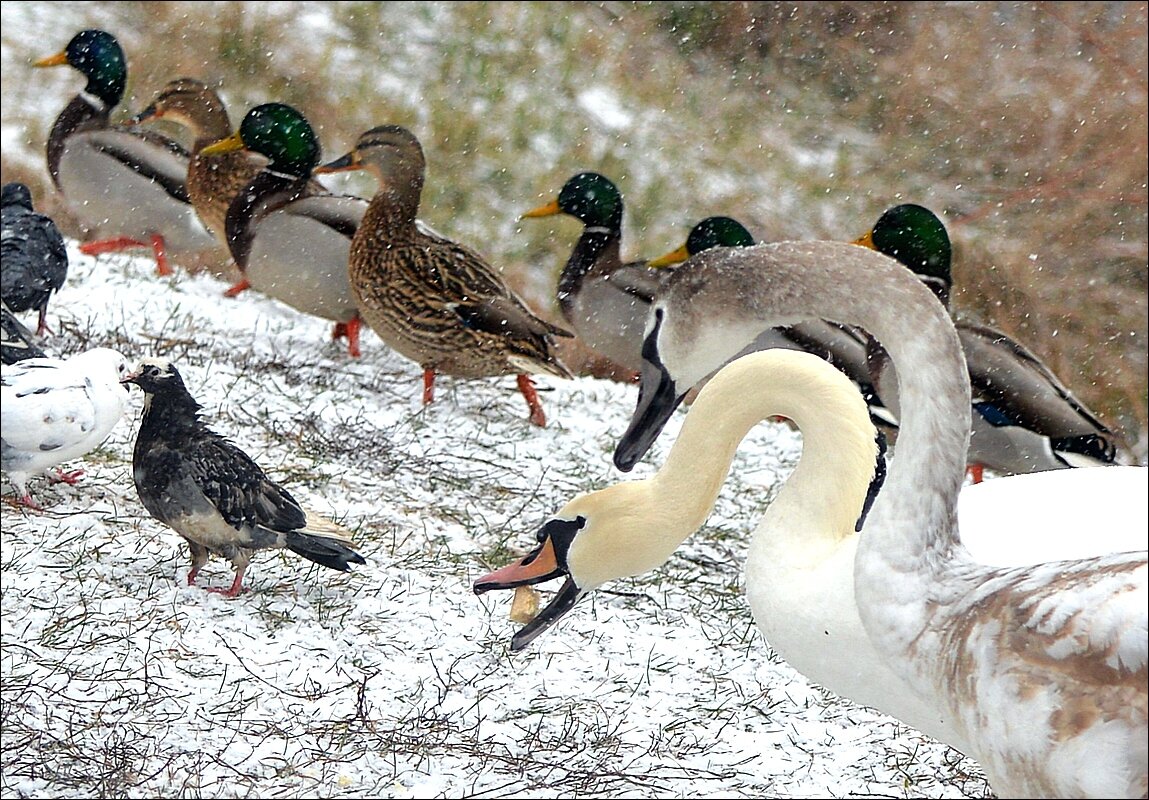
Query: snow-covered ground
395, 679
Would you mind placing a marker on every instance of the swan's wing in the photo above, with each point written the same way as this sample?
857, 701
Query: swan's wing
1090, 618
1043, 516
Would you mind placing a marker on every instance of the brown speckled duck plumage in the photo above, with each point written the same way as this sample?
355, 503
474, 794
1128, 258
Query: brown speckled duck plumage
212, 180
436, 302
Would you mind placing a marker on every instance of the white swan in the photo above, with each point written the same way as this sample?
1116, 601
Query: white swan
1041, 670
799, 566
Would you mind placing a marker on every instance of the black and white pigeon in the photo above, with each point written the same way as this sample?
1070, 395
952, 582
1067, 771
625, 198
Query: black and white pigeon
212, 493
33, 257
18, 343
55, 410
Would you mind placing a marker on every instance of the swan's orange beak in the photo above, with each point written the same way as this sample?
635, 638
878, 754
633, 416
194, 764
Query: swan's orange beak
541, 565
546, 561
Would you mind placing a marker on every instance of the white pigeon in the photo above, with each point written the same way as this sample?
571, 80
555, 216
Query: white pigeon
55, 410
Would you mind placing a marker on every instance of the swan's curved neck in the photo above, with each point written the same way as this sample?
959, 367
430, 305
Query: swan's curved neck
912, 527
839, 450
824, 495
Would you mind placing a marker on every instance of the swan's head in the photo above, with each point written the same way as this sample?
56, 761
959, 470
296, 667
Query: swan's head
678, 351
595, 538
714, 305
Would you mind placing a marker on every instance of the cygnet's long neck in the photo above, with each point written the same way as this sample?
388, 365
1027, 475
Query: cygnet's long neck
912, 528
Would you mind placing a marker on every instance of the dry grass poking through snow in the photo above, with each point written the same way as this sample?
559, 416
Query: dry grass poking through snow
394, 680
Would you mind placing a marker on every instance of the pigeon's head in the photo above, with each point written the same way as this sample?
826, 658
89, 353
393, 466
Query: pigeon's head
16, 194
155, 375
103, 364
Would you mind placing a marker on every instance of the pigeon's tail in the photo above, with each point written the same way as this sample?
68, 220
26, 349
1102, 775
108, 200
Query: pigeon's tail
324, 542
322, 550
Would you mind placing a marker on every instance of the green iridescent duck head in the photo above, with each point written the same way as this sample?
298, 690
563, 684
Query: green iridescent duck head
278, 131
916, 237
97, 55
710, 232
588, 196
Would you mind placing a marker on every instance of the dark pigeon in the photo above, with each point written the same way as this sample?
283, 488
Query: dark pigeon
33, 258
18, 343
212, 493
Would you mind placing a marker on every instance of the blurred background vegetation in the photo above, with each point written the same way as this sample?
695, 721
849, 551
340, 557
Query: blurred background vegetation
1023, 125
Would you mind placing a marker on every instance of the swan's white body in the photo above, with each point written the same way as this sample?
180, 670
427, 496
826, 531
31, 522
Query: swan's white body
1052, 516
1038, 672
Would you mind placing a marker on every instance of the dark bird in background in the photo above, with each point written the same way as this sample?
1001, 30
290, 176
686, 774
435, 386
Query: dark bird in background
18, 343
212, 493
33, 258
1023, 418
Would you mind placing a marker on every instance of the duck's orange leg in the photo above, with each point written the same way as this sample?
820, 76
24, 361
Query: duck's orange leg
428, 385
242, 286
350, 329
116, 244
527, 387
160, 248
976, 472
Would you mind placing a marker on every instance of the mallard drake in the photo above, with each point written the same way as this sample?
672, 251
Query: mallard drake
434, 301
1024, 419
34, 259
213, 181
603, 298
126, 183
842, 346
1038, 670
290, 237
212, 493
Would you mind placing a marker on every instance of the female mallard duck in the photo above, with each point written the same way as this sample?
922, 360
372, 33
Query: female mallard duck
1035, 670
841, 346
127, 183
290, 237
434, 301
213, 181
1024, 419
603, 298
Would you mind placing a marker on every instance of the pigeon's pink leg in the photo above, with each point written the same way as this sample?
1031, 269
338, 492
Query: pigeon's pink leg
70, 478
235, 588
